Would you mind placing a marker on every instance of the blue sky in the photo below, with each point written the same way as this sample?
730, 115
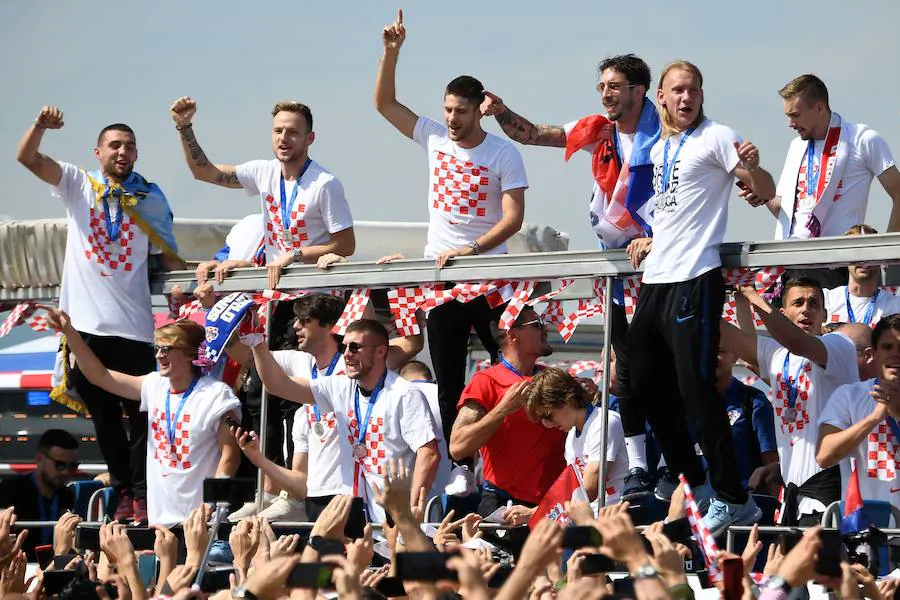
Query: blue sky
104, 62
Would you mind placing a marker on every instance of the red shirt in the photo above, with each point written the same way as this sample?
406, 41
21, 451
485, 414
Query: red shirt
522, 458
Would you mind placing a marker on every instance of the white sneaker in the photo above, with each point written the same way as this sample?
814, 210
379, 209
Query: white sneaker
284, 508
462, 482
249, 508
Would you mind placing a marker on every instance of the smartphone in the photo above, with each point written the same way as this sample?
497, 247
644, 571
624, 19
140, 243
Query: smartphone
227, 489
581, 536
733, 578
60, 562
215, 579
424, 566
142, 538
87, 538
310, 576
741, 185
678, 531
356, 522
500, 577
56, 580
624, 587
147, 568
391, 587
787, 541
598, 563
828, 562
44, 555
327, 547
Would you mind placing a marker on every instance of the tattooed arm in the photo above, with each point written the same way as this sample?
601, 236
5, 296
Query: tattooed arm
519, 128
182, 111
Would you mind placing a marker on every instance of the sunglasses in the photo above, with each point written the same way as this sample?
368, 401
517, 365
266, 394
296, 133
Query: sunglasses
164, 350
62, 465
354, 347
538, 323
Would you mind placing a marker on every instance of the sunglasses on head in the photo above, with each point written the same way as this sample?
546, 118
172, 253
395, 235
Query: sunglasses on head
354, 347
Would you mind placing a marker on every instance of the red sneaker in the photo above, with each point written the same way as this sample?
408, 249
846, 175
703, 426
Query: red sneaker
140, 510
125, 508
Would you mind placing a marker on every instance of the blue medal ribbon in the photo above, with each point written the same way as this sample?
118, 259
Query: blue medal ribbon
812, 184
510, 366
328, 371
112, 229
792, 386
666, 167
870, 310
587, 415
171, 423
285, 205
46, 532
363, 428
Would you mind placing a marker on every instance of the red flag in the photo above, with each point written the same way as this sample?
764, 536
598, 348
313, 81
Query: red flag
567, 487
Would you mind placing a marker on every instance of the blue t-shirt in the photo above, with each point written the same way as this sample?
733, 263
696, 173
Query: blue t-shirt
749, 432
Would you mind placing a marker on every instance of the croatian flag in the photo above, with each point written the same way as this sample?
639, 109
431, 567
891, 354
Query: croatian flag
568, 486
855, 518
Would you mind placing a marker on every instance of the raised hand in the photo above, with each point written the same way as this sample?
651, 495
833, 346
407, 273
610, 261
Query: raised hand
749, 155
57, 318
49, 118
492, 105
394, 34
64, 533
638, 249
183, 110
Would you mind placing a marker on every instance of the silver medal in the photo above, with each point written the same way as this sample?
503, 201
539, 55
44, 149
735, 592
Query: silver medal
319, 428
359, 451
790, 414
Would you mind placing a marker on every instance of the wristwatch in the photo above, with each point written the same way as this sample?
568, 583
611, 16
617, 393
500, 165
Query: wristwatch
242, 593
475, 246
648, 571
777, 582
298, 254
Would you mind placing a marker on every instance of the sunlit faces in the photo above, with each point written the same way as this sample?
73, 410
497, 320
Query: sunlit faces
804, 307
619, 96
291, 137
887, 355
311, 335
682, 97
530, 334
562, 417
171, 358
724, 362
863, 272
117, 153
461, 117
803, 117
363, 350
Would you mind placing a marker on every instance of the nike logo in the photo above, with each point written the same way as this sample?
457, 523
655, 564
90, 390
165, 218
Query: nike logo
680, 319
102, 274
895, 490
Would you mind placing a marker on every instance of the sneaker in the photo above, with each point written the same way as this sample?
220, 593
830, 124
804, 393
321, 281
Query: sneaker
140, 510
284, 508
125, 508
249, 508
638, 484
722, 514
462, 482
666, 482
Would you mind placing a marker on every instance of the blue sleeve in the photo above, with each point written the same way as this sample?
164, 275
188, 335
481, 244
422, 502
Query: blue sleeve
222, 254
764, 423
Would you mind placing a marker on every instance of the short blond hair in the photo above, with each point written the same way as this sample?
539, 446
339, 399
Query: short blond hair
668, 128
861, 229
294, 107
809, 87
184, 335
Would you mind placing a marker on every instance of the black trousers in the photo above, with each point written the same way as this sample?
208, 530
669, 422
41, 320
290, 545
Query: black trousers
631, 410
125, 453
673, 341
280, 421
448, 341
493, 498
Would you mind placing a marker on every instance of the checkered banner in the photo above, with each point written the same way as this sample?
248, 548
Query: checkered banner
554, 313
403, 303
26, 313
631, 285
701, 532
518, 301
552, 293
353, 311
586, 309
729, 312
762, 279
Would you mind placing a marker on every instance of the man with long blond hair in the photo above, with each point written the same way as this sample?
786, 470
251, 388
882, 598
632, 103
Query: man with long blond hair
305, 213
680, 303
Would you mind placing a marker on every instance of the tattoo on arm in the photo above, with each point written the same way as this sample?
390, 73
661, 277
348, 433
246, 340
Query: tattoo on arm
471, 412
524, 131
197, 154
227, 178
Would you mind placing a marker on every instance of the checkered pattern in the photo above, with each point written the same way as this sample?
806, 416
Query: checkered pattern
460, 187
631, 287
750, 379
586, 310
762, 279
729, 313
891, 289
177, 456
353, 311
517, 302
189, 308
552, 293
26, 312
780, 400
376, 455
482, 364
263, 298
554, 313
328, 420
580, 367
882, 453
403, 303
114, 255
435, 295
276, 236
466, 292
701, 533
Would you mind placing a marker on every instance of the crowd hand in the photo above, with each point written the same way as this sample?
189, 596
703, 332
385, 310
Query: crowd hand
115, 544
867, 580
394, 34
486, 562
887, 394
849, 583
284, 545
333, 519
445, 535
64, 533
90, 559
541, 547
203, 269
345, 577
638, 249
470, 529
388, 258
196, 534
247, 441
268, 579
226, 266
165, 546
472, 583
887, 588
621, 541
580, 512
614, 509
182, 111
676, 506
178, 296
206, 294
573, 565
181, 577
749, 155
12, 575
582, 589
750, 196
243, 540
50, 117
492, 105
274, 268
57, 318
326, 260
372, 577
752, 549
123, 590
542, 588
513, 399
518, 515
266, 540
667, 556
418, 507
798, 566
774, 558
443, 257
361, 550
396, 493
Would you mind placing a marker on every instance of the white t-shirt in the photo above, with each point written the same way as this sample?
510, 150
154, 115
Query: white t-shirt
815, 385
869, 157
325, 475
877, 456
319, 210
175, 477
598, 198
465, 186
399, 424
105, 286
582, 450
886, 303
689, 216
442, 477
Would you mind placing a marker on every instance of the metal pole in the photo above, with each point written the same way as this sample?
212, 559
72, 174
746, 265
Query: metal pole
220, 511
264, 419
604, 390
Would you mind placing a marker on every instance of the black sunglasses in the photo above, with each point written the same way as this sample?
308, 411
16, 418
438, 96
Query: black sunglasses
354, 347
164, 350
538, 323
62, 465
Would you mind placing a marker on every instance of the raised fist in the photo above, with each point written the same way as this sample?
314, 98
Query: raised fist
492, 105
50, 118
394, 34
182, 111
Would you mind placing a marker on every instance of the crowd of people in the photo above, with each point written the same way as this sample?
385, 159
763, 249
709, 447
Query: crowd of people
359, 417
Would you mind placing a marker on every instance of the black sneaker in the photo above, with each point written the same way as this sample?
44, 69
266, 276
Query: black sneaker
666, 484
638, 484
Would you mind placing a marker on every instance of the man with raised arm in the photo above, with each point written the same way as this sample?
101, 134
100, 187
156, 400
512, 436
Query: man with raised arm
304, 210
120, 228
620, 207
476, 202
676, 323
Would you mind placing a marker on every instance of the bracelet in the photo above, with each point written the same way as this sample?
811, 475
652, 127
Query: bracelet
185, 126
